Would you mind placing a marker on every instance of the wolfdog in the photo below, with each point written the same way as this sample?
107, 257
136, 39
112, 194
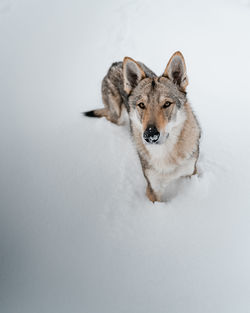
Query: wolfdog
163, 126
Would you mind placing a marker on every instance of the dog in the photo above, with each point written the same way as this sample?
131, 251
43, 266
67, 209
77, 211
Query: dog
163, 126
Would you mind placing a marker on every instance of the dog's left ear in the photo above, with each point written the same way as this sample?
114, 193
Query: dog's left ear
176, 70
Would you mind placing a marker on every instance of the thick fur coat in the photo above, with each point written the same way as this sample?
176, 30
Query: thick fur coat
163, 126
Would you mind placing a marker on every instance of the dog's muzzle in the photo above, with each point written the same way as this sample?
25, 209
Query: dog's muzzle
151, 134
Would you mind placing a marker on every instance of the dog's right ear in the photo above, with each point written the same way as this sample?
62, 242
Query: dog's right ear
132, 74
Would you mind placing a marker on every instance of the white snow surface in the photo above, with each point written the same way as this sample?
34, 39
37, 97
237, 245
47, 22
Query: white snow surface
77, 233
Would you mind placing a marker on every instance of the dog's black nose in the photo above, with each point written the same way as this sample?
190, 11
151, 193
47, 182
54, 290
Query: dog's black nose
151, 134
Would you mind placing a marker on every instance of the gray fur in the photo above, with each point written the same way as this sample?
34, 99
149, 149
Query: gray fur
112, 89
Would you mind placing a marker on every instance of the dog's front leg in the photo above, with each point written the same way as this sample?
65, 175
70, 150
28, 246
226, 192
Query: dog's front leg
150, 194
152, 191
149, 190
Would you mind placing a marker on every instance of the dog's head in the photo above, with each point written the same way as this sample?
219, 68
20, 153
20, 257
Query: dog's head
155, 101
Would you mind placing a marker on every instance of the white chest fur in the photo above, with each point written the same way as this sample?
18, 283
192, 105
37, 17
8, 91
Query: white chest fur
160, 179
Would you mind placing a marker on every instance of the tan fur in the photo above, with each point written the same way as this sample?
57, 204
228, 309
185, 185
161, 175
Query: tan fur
188, 136
150, 194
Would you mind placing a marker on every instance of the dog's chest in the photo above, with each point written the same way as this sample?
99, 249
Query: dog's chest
163, 170
166, 166
161, 157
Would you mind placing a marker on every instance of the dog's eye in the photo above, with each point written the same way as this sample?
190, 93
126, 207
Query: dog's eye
141, 105
166, 104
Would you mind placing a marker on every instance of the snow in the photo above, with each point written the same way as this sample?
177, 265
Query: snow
77, 233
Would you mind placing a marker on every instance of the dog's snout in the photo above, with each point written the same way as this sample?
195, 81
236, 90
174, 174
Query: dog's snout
151, 134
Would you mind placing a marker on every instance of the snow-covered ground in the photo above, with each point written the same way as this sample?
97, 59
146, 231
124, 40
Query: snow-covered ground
77, 233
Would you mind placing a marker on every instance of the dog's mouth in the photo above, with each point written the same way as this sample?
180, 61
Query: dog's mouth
152, 139
155, 140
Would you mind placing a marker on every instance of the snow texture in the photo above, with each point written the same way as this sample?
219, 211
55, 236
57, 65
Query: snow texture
77, 233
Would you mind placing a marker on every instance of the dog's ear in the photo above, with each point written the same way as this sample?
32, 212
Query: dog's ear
176, 70
132, 74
